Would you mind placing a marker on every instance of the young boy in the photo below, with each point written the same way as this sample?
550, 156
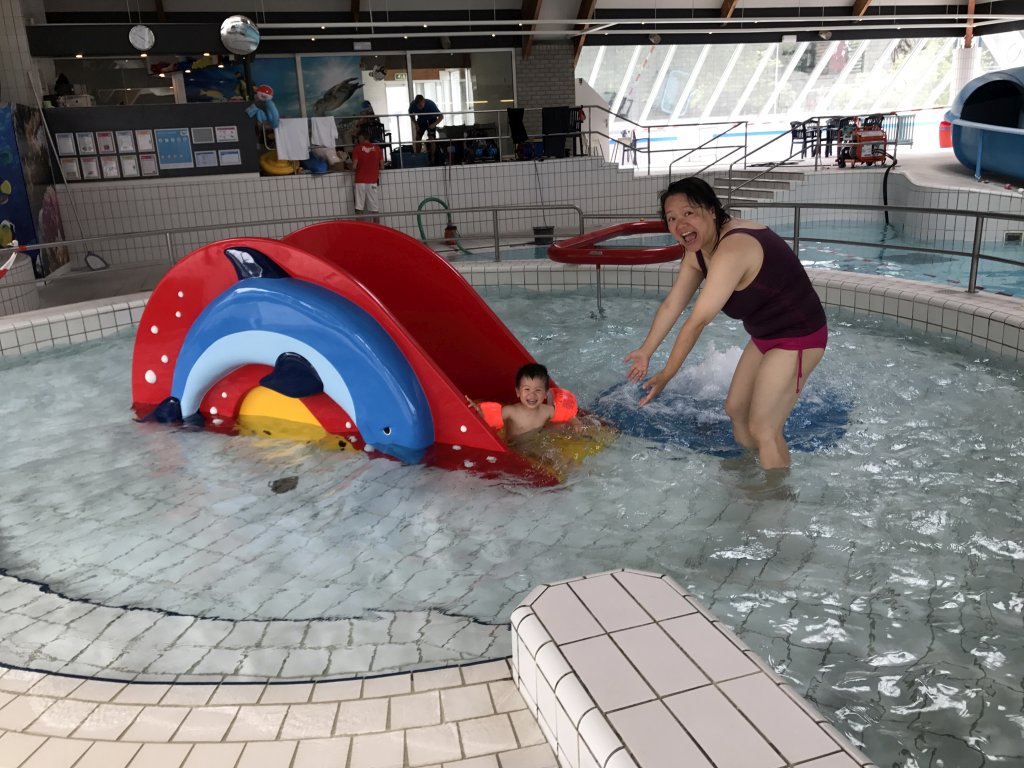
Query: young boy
532, 411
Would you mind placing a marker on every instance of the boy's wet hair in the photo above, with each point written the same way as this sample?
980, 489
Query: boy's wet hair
532, 371
700, 194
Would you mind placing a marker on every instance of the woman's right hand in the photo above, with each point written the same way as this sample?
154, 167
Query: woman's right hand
638, 370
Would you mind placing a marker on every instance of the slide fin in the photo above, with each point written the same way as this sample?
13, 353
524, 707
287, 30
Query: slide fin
248, 262
293, 376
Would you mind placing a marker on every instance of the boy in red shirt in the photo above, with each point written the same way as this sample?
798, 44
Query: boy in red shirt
367, 160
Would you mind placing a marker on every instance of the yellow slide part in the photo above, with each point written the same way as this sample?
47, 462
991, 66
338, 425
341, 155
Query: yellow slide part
270, 414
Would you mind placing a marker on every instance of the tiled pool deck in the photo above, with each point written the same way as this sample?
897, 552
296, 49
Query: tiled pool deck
470, 717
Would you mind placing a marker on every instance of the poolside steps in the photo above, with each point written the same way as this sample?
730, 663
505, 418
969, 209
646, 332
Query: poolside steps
626, 669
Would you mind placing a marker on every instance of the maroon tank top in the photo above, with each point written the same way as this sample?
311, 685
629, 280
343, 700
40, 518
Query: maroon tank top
780, 302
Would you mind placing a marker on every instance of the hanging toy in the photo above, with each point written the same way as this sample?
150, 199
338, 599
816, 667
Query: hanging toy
263, 109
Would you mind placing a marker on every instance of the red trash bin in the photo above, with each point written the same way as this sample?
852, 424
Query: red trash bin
945, 134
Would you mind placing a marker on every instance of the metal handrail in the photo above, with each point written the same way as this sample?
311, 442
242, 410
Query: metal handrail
975, 254
170, 260
713, 138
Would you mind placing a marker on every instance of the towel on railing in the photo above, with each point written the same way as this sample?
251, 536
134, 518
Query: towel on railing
292, 136
324, 131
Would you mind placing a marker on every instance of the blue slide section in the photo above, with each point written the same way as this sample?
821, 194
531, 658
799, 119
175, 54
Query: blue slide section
317, 341
988, 123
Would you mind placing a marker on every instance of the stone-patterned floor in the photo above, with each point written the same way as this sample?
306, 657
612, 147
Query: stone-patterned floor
456, 717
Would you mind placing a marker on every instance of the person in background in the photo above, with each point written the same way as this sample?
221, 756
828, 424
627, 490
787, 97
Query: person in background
751, 274
366, 118
425, 117
367, 161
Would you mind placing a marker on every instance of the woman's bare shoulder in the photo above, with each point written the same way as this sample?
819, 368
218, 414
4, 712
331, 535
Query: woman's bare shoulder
742, 224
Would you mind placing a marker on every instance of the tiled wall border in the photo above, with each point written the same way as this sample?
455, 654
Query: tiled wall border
990, 321
695, 696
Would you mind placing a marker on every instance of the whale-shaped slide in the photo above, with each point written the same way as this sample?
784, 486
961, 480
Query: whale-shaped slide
348, 333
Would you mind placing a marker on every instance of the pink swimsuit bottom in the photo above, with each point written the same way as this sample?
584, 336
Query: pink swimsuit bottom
816, 340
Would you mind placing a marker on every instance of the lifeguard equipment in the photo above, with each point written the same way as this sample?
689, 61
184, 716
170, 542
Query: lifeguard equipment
562, 400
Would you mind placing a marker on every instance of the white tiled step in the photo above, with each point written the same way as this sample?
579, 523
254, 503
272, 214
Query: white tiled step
626, 669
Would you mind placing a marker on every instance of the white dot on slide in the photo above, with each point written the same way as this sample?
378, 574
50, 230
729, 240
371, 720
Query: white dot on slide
456, 447
224, 395
463, 428
348, 425
213, 411
218, 422
153, 329
181, 294
164, 358
151, 377
177, 314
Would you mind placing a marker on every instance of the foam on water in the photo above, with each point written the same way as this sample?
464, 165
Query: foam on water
882, 576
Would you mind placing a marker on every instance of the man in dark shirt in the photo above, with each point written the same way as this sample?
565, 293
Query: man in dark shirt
425, 118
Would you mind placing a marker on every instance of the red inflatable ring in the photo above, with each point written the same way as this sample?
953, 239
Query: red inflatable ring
584, 249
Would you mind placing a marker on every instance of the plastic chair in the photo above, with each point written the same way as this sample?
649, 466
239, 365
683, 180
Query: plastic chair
576, 118
807, 134
377, 135
832, 134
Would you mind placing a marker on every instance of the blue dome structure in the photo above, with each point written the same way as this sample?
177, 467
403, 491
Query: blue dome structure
988, 123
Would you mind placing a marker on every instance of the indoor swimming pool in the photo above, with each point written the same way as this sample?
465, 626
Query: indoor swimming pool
881, 577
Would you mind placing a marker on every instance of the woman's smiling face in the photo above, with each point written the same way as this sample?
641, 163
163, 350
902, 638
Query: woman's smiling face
692, 226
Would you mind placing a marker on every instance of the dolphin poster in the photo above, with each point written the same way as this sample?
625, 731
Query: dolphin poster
332, 85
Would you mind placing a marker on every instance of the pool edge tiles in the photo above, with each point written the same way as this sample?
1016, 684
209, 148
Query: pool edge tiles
625, 669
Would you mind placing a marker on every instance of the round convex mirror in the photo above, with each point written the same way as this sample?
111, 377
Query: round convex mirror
239, 35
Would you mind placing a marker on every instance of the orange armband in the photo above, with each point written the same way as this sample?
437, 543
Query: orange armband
564, 403
492, 414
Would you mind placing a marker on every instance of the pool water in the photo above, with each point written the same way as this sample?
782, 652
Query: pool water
882, 576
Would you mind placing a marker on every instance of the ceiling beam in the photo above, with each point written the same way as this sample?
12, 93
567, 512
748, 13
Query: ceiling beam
969, 33
728, 6
355, 10
585, 13
860, 7
161, 15
530, 12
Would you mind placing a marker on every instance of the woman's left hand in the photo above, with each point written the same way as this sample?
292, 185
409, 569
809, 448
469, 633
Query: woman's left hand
654, 385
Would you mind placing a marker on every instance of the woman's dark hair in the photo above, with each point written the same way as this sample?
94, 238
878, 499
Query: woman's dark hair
700, 194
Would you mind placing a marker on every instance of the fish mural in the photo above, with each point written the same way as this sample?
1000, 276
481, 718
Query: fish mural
334, 98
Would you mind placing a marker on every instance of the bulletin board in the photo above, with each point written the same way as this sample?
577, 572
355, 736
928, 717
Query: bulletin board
95, 144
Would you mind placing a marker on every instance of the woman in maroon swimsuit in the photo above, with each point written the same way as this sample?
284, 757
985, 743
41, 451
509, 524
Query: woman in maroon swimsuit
752, 275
